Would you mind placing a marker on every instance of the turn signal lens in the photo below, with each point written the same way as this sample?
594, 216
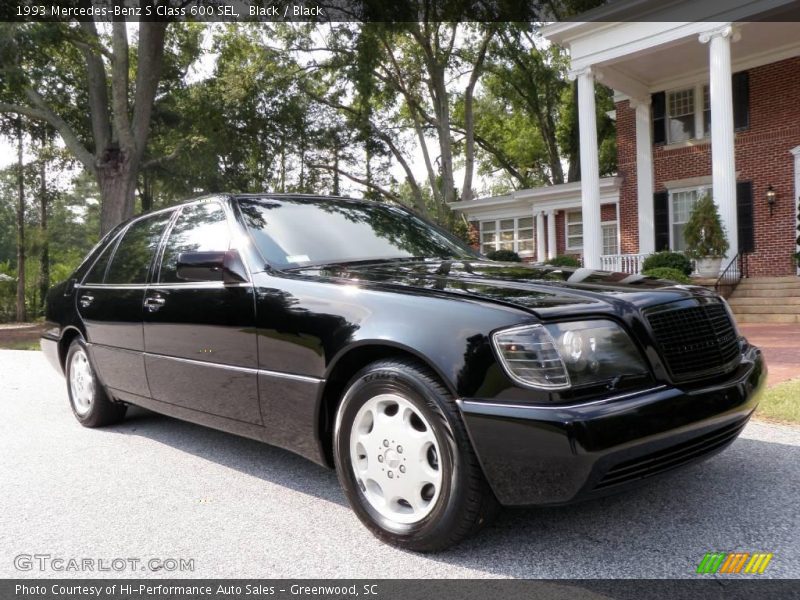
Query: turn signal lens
530, 357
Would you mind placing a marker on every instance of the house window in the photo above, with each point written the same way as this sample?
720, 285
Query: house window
680, 115
706, 111
610, 239
507, 234
689, 113
680, 209
574, 222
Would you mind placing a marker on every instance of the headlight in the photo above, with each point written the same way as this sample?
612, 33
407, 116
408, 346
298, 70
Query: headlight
560, 355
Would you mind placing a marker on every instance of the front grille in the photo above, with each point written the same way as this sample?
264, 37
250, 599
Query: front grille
671, 457
695, 340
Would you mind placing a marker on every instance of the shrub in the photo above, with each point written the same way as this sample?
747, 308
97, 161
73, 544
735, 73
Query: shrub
704, 233
667, 273
669, 260
564, 260
503, 256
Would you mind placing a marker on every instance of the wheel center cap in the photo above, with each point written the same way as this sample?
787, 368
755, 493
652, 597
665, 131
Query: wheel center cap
391, 458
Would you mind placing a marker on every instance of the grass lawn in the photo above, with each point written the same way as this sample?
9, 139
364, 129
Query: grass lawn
19, 345
781, 403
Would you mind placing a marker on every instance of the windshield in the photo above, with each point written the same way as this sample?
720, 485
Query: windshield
312, 231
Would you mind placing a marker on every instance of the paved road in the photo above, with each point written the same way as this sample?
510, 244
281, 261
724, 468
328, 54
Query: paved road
157, 487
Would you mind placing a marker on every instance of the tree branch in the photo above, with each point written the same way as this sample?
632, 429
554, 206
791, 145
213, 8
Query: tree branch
119, 87
378, 188
98, 87
42, 112
148, 74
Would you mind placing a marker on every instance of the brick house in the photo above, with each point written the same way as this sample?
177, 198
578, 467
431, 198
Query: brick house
708, 106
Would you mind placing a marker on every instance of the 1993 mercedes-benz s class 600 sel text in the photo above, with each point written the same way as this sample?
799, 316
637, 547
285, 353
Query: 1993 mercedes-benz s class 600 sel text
439, 384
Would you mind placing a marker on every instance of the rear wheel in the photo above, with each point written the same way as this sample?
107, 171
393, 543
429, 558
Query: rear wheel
90, 403
404, 459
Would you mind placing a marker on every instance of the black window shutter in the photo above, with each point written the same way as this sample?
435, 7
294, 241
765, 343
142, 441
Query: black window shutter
744, 216
741, 100
661, 220
658, 105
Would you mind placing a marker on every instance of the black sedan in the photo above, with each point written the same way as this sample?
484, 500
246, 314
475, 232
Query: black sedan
440, 385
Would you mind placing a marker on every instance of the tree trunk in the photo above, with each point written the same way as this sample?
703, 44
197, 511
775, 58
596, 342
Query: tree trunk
117, 186
21, 314
44, 255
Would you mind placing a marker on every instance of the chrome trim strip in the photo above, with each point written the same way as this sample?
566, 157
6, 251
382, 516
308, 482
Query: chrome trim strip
566, 406
200, 285
305, 378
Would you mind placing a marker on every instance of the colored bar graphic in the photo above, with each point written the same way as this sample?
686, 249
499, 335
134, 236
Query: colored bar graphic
733, 562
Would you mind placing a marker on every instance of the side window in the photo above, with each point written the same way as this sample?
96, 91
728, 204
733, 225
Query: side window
135, 252
99, 269
199, 228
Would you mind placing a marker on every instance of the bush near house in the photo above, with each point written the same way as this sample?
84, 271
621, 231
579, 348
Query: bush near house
704, 233
669, 260
503, 256
667, 273
564, 261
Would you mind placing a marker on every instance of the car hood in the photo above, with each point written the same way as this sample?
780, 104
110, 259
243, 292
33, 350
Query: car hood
542, 289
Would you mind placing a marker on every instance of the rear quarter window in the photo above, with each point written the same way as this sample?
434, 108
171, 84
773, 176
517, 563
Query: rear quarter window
131, 261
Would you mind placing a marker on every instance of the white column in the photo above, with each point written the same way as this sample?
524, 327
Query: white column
539, 236
590, 169
644, 176
723, 163
796, 154
552, 248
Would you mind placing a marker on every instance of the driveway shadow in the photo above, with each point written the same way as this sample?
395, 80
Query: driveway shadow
247, 456
740, 500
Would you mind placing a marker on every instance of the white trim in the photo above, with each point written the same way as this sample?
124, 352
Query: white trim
755, 60
681, 185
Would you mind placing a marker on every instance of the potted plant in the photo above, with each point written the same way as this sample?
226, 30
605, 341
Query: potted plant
706, 241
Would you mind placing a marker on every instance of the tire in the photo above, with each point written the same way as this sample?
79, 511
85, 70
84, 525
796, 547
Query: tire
87, 397
426, 496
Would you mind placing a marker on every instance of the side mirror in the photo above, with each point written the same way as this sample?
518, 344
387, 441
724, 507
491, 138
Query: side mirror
225, 266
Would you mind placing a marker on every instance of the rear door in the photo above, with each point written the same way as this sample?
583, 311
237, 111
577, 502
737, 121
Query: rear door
200, 338
110, 304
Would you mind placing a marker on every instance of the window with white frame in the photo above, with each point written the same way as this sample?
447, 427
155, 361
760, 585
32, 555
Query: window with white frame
688, 113
507, 234
610, 238
681, 204
680, 115
574, 221
574, 233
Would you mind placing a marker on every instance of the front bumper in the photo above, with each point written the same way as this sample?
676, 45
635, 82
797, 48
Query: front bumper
535, 455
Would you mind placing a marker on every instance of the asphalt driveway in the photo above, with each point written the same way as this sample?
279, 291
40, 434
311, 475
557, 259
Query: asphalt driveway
155, 487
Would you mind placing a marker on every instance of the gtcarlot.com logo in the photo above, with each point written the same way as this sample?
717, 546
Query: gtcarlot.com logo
72, 564
731, 563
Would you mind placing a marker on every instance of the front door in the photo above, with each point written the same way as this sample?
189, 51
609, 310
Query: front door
110, 304
199, 337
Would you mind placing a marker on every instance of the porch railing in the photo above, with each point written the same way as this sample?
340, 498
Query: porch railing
731, 275
623, 263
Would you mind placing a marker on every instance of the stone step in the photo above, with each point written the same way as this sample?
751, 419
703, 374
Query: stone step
788, 278
748, 318
746, 285
765, 293
736, 301
775, 308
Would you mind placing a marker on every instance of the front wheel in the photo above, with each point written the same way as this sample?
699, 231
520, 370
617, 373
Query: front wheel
404, 459
90, 403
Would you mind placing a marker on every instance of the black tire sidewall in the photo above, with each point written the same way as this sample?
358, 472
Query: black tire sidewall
410, 385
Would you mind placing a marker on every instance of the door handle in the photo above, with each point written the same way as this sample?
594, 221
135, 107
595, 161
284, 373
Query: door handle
86, 300
153, 303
